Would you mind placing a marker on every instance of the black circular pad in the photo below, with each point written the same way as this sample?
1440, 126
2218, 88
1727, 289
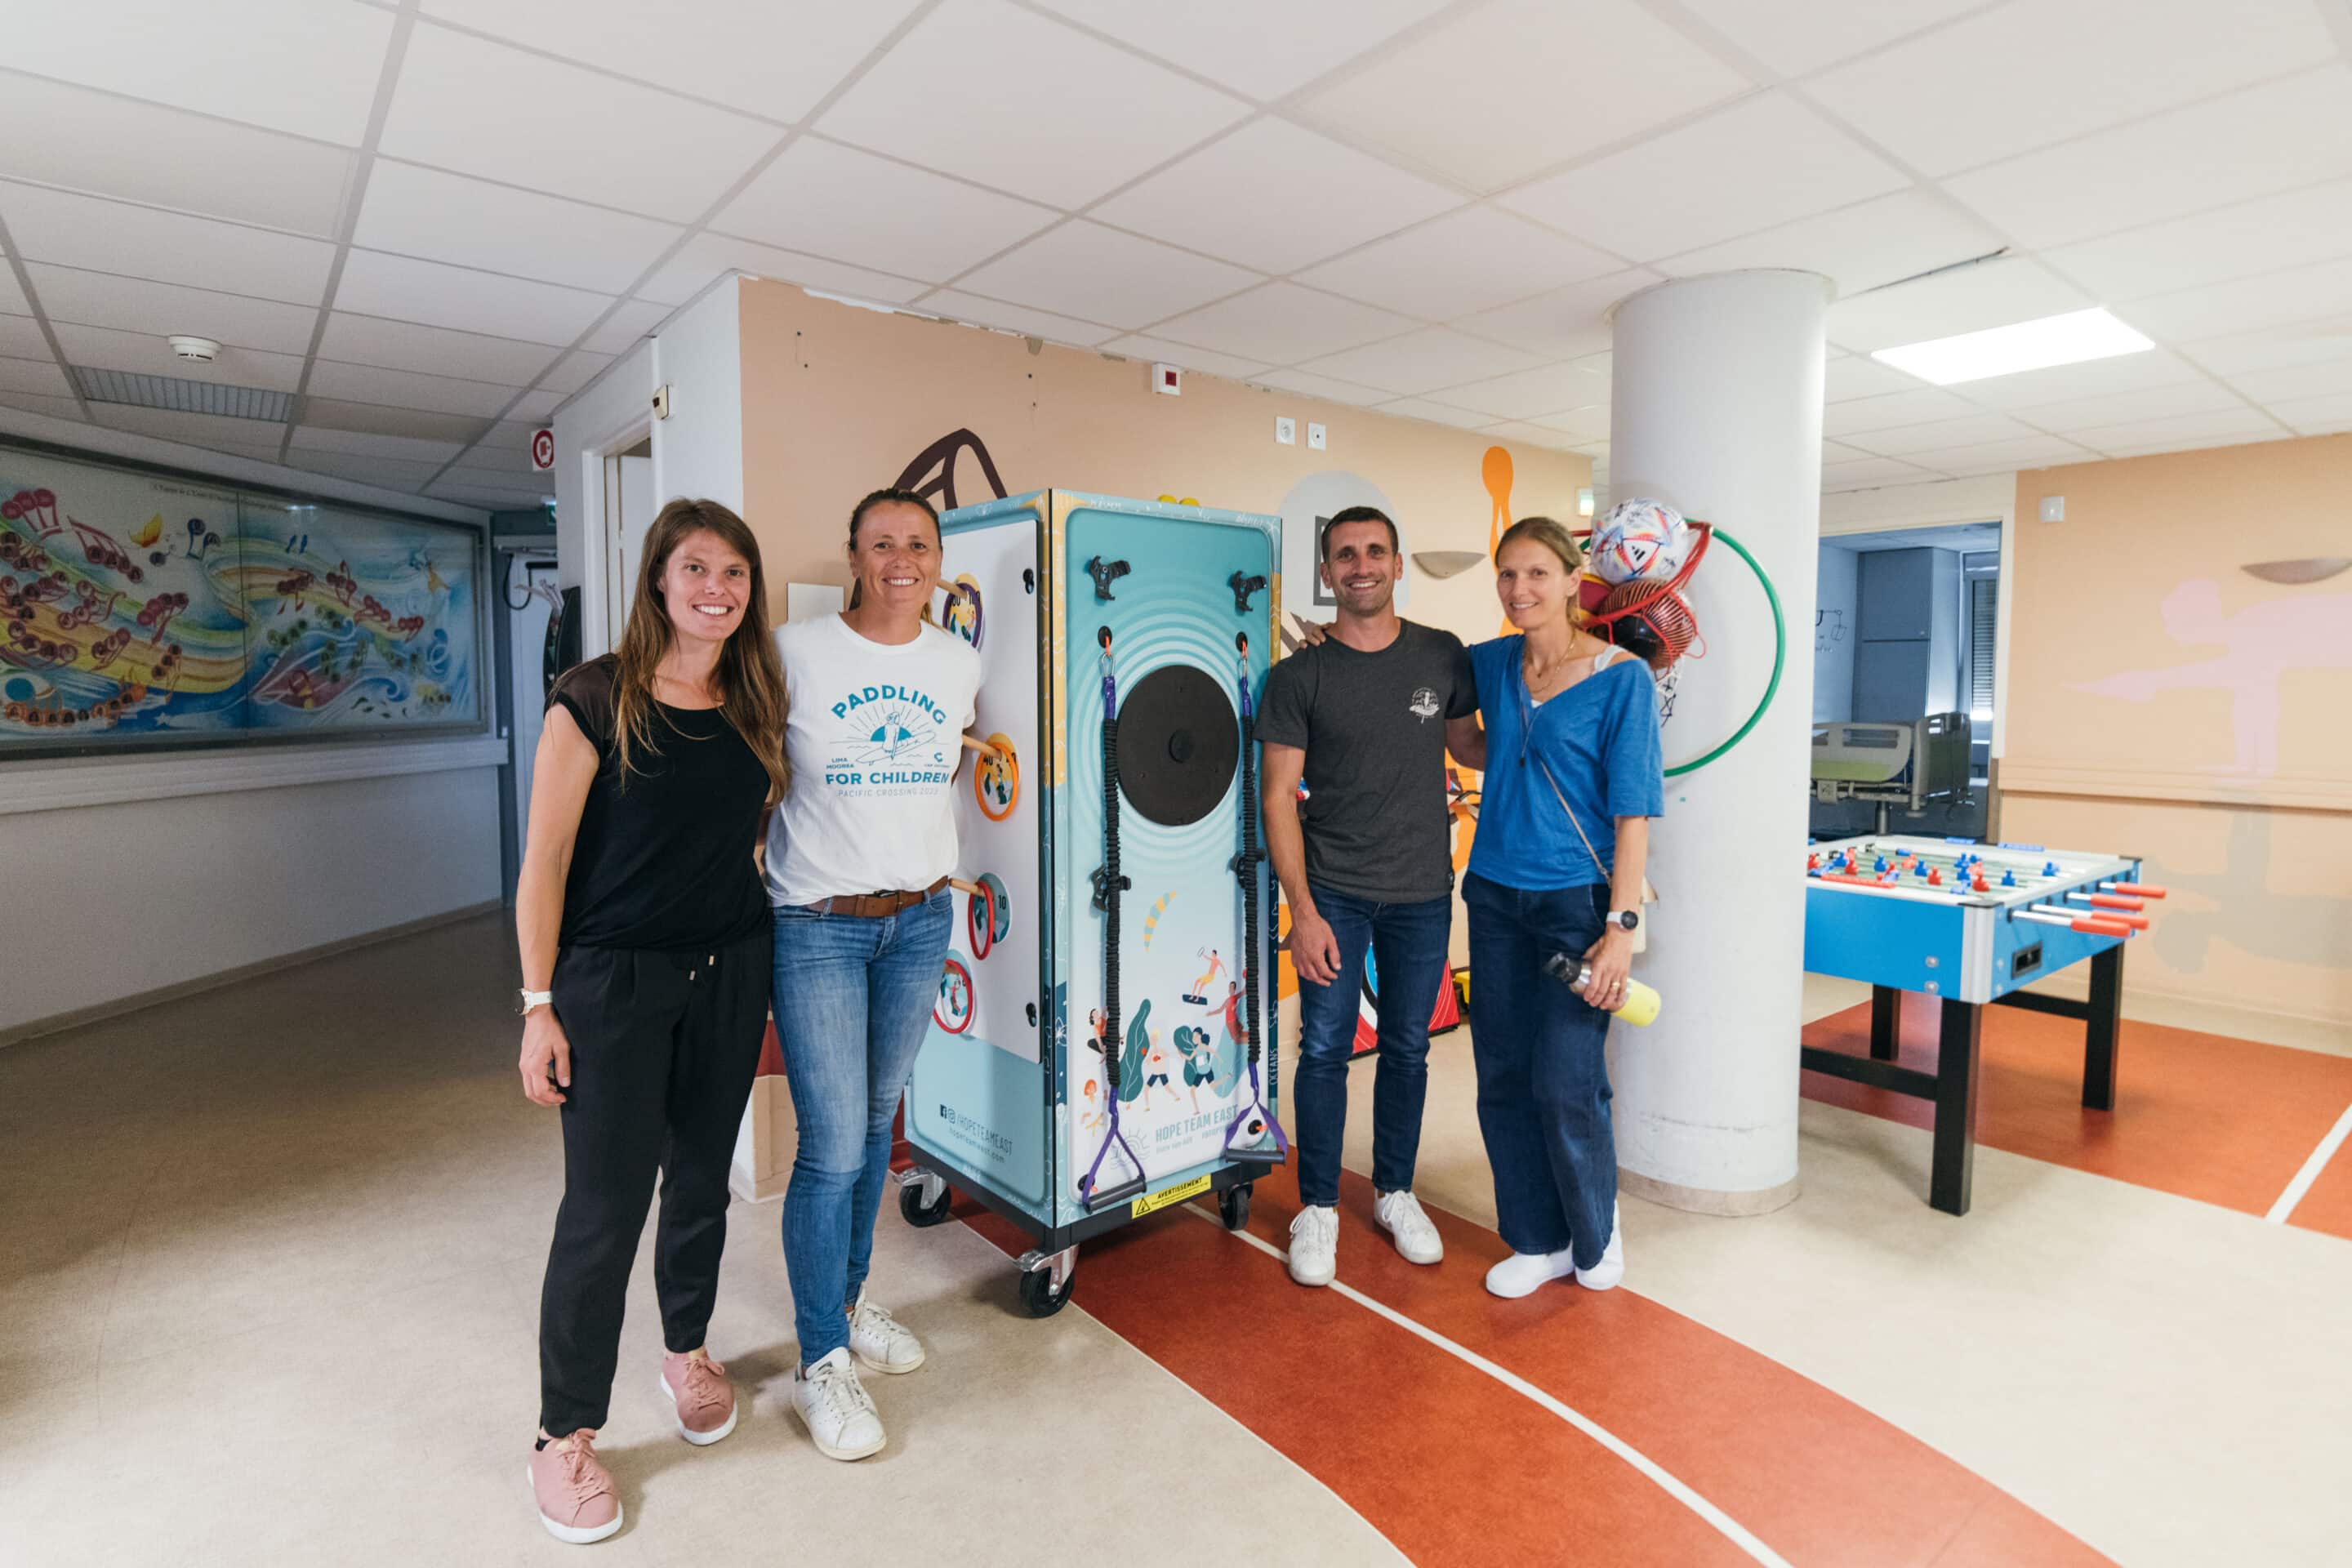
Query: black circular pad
1178, 739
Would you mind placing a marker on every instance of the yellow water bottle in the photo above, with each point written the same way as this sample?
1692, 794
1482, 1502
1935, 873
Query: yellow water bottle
1641, 1002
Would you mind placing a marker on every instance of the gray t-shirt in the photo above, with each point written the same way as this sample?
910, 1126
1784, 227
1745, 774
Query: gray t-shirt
1373, 728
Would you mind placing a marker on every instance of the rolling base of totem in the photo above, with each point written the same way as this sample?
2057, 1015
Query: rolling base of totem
1013, 1097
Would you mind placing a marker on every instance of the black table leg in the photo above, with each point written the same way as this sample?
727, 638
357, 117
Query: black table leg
1956, 1108
1886, 1021
2101, 1031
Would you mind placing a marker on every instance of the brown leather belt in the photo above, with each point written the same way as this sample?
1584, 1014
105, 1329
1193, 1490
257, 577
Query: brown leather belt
873, 906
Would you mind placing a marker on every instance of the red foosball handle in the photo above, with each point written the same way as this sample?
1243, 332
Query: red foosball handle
2110, 902
2139, 890
2101, 927
2135, 923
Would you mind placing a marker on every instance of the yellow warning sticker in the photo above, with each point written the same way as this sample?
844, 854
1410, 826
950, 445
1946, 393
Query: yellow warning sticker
1175, 1195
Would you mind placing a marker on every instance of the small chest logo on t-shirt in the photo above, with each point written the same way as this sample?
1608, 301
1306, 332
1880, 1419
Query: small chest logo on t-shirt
888, 743
1423, 704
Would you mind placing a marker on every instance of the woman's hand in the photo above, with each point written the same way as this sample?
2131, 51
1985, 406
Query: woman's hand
1611, 959
545, 1051
1311, 633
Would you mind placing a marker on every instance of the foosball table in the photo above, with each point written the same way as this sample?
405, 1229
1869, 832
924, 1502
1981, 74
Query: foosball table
1971, 925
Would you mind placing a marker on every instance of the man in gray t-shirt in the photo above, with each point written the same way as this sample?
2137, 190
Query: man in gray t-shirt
1363, 720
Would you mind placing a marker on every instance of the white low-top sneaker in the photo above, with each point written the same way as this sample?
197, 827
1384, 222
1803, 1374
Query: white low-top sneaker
1315, 1244
1402, 1215
1522, 1273
835, 1409
881, 1341
1604, 1275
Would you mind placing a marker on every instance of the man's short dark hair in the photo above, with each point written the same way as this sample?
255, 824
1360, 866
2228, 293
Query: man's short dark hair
1358, 514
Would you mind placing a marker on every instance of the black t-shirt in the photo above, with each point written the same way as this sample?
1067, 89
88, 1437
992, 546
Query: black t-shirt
663, 860
1373, 728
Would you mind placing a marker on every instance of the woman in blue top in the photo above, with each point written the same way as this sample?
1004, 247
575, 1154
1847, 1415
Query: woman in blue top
1572, 777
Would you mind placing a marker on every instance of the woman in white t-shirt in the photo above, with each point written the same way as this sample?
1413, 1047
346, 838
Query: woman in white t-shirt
857, 863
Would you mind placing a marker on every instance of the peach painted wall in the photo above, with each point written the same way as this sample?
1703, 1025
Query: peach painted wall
2165, 701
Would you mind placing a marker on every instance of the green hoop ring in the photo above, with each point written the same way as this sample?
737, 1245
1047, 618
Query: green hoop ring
1779, 658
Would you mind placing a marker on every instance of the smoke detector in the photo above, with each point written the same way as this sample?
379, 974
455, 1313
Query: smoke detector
203, 350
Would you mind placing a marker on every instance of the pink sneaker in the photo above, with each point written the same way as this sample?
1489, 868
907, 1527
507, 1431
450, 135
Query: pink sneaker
704, 1399
577, 1501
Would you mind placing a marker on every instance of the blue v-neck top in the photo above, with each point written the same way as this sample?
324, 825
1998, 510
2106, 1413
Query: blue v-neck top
1599, 738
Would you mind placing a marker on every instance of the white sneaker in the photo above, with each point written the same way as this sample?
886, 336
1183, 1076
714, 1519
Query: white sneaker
835, 1409
881, 1341
1604, 1275
1523, 1272
1400, 1215
1315, 1244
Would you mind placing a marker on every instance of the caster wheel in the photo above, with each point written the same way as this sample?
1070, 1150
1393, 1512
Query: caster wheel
1038, 1297
1233, 1206
917, 1213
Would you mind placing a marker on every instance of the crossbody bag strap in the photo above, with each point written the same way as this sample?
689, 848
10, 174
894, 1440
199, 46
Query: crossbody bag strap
1572, 820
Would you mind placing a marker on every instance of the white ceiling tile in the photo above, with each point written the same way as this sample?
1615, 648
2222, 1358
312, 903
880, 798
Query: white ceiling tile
292, 65
481, 108
2247, 144
1966, 430
2273, 300
707, 255
133, 304
1484, 97
1587, 424
1527, 394
1836, 452
2316, 416
392, 473
631, 320
1992, 456
1864, 472
1264, 51
35, 403
438, 295
2205, 443
406, 389
12, 298
1794, 37
2125, 407
1282, 323
1847, 420
1966, 299
468, 222
2266, 348
106, 348
1329, 388
1759, 163
380, 419
1854, 376
490, 499
1101, 274
2263, 235
432, 350
1531, 436
2032, 72
1465, 262
61, 134
508, 436
1208, 361
1100, 118
41, 376
170, 248
1564, 323
1421, 362
1027, 319
197, 429
2183, 430
1437, 413
830, 200
367, 444
508, 479
20, 336
577, 371
1277, 197
2091, 378
2325, 378
537, 407
1865, 245
751, 54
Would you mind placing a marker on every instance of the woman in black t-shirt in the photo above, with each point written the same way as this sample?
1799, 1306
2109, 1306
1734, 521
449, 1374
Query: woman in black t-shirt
646, 959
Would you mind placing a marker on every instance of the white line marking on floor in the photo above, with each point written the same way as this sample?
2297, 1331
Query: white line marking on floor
1727, 1527
2311, 1169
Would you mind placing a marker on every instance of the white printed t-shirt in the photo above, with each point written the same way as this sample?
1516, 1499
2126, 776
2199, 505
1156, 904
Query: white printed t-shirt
873, 738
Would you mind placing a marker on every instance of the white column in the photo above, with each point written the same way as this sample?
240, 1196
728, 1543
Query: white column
1717, 412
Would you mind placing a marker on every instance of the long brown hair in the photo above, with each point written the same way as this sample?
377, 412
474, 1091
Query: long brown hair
749, 681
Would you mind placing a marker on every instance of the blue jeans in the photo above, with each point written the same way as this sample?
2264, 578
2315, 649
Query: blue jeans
1543, 1078
853, 1002
1408, 943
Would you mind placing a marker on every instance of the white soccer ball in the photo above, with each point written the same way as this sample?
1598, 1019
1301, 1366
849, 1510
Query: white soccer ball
1640, 538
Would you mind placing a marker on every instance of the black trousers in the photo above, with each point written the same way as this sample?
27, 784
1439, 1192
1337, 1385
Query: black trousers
663, 1046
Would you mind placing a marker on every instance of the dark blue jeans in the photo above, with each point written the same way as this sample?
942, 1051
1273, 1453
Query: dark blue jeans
1543, 1078
1408, 943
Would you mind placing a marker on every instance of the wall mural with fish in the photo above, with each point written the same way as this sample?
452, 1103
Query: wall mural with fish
139, 610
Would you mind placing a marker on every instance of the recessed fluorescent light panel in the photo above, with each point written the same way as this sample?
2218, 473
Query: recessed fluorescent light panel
2028, 345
